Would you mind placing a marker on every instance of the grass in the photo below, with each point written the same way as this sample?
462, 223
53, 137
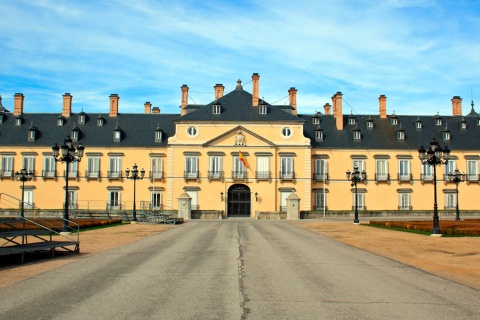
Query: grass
465, 228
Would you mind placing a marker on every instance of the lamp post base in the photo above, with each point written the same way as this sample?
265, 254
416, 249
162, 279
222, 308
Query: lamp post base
134, 222
436, 235
65, 233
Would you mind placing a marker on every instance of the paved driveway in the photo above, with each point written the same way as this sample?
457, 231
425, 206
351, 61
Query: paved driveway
238, 269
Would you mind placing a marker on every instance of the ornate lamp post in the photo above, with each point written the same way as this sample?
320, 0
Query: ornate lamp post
457, 177
68, 154
434, 156
135, 176
356, 177
23, 176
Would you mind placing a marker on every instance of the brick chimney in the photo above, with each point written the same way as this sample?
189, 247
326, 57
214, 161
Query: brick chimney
114, 104
326, 108
67, 105
292, 92
156, 110
147, 107
18, 104
456, 106
219, 88
337, 110
255, 78
184, 99
382, 104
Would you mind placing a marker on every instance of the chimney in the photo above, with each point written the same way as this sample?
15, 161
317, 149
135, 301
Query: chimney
67, 105
147, 107
184, 99
326, 108
156, 110
114, 104
382, 104
337, 109
18, 104
456, 106
255, 78
218, 90
292, 92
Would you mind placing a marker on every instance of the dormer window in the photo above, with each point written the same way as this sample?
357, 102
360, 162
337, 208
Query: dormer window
351, 119
357, 135
117, 134
463, 124
100, 121
418, 124
60, 121
19, 120
2, 116
319, 134
262, 107
32, 133
393, 120
217, 108
369, 124
158, 135
438, 120
75, 133
401, 135
446, 135
82, 117
316, 118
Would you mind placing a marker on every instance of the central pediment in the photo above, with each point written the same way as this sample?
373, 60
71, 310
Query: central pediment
241, 137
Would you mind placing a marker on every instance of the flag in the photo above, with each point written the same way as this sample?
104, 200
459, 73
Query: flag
242, 159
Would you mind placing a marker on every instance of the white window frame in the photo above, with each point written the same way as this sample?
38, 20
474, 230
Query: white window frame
239, 169
401, 135
446, 136
29, 163
7, 166
263, 109
360, 163
72, 199
263, 167
320, 169
287, 132
73, 169
192, 131
357, 135
352, 120
93, 167
427, 171
449, 168
418, 124
215, 167
49, 166
114, 199
156, 167
361, 200
216, 108
472, 170
287, 168
156, 201
28, 198
115, 167
319, 135
404, 201
404, 173
194, 196
191, 167
283, 199
316, 120
450, 200
381, 169
320, 200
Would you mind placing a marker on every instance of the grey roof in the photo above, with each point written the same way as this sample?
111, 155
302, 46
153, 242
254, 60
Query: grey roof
236, 106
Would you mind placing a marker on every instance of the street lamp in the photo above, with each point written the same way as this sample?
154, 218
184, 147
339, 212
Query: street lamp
457, 177
68, 154
434, 156
23, 176
355, 177
135, 176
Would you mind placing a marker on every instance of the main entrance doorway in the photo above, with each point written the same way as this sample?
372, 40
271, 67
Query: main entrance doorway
238, 201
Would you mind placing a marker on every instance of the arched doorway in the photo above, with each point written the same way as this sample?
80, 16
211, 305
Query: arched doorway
238, 201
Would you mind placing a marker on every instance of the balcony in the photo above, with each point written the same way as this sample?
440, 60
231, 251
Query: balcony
472, 177
263, 175
426, 177
71, 174
114, 175
286, 176
320, 176
406, 177
92, 175
215, 175
239, 175
155, 175
191, 175
7, 174
382, 177
49, 174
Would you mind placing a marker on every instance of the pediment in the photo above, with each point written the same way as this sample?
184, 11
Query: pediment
241, 137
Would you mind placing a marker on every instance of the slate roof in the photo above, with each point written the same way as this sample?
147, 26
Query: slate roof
236, 106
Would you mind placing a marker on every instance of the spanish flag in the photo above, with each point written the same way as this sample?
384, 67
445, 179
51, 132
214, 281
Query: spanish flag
242, 159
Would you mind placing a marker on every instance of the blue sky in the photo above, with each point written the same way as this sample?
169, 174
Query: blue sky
419, 53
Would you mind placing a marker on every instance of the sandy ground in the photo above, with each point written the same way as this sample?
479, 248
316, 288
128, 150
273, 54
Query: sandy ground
457, 259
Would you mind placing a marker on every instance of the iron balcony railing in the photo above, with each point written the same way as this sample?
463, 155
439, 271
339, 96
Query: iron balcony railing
71, 174
49, 174
239, 175
320, 176
190, 175
263, 175
92, 174
155, 175
406, 177
426, 177
215, 175
114, 175
286, 175
382, 177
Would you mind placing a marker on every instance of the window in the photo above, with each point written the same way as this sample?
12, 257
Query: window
427, 173
320, 201
93, 167
216, 167
191, 167
192, 131
7, 166
216, 109
370, 124
239, 169
360, 163
72, 170
75, 135
449, 168
463, 125
100, 121
381, 170
115, 168
400, 135
450, 200
351, 120
283, 200
114, 200
158, 136
18, 121
60, 122
72, 199
262, 109
156, 200
446, 135
263, 167
117, 136
438, 121
360, 201
320, 170
357, 135
194, 195
49, 167
316, 120
319, 135
404, 201
286, 132
29, 163
472, 170
418, 124
28, 198
404, 170
81, 118
394, 121
287, 168
156, 168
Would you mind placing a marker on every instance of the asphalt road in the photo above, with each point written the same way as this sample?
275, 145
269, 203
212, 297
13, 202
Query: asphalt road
237, 269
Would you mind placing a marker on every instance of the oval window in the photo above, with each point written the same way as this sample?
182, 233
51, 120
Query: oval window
192, 131
286, 132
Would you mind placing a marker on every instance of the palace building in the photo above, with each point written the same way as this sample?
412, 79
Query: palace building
240, 155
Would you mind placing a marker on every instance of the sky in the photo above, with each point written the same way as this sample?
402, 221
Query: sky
419, 53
